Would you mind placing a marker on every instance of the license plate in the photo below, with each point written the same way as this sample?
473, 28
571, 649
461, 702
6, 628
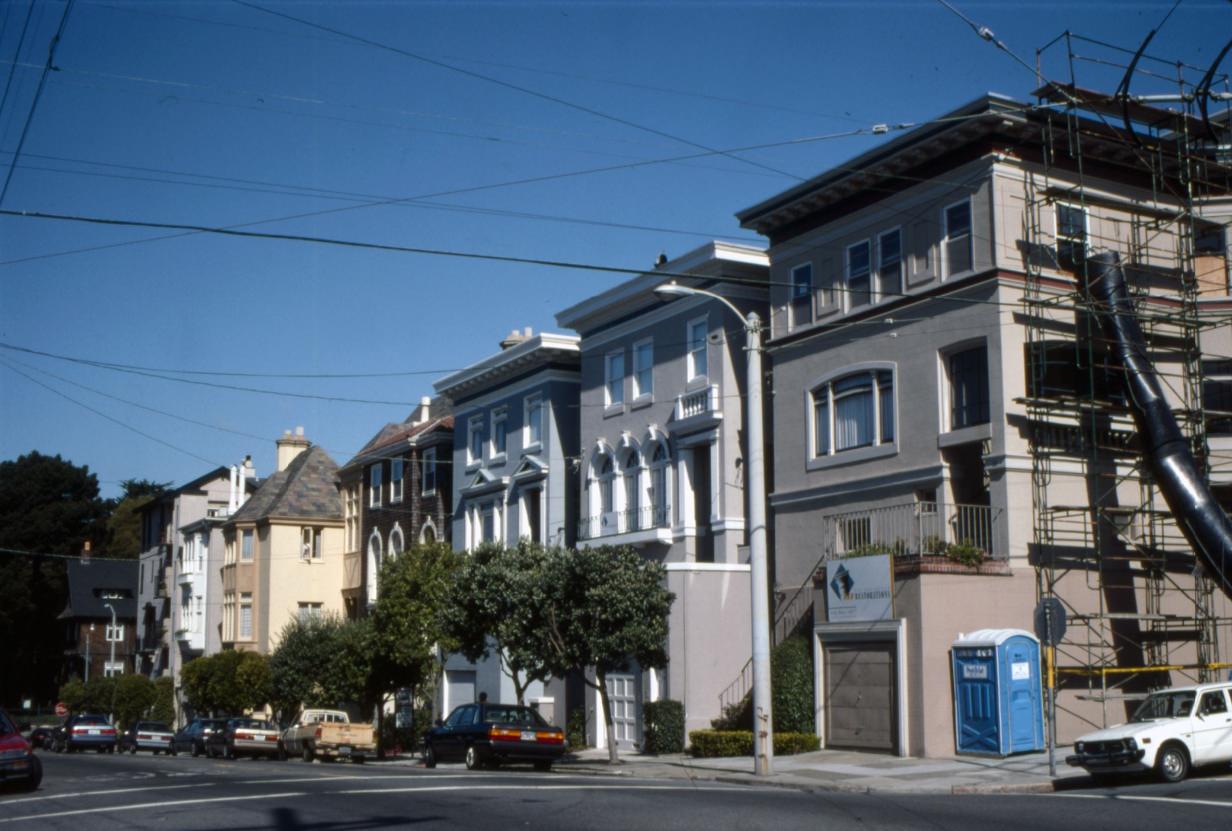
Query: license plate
528, 735
344, 750
95, 732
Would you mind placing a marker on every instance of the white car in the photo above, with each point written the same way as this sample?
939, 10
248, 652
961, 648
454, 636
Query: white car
1171, 732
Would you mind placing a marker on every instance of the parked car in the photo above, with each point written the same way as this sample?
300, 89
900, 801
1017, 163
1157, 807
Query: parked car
41, 737
1171, 732
147, 735
84, 732
483, 734
243, 737
192, 738
17, 760
330, 735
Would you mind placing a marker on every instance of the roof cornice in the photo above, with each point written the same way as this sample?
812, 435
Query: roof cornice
538, 350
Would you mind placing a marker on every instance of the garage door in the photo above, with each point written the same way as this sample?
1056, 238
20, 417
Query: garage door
860, 706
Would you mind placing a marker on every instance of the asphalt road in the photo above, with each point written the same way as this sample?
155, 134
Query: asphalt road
90, 791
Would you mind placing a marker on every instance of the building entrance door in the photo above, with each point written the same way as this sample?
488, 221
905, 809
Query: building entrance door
861, 711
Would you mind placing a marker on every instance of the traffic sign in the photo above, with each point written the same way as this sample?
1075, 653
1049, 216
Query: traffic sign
1050, 621
61, 709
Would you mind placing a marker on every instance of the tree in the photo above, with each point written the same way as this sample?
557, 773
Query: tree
407, 622
163, 708
608, 606
47, 506
228, 682
124, 524
322, 661
499, 602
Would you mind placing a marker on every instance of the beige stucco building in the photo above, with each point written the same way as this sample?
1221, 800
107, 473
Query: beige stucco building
283, 559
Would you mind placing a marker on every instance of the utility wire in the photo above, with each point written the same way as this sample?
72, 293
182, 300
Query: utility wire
17, 54
508, 85
38, 93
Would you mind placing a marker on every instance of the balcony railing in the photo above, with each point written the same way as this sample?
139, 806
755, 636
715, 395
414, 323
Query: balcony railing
701, 402
624, 522
912, 530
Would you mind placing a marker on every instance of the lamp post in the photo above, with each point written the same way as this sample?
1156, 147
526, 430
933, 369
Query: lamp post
111, 636
89, 637
763, 723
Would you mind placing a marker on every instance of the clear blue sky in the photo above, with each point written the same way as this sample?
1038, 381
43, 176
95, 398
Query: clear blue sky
217, 114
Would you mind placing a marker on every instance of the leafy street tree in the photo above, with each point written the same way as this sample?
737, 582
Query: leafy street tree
229, 682
49, 506
128, 698
407, 626
499, 604
609, 606
163, 708
321, 662
124, 524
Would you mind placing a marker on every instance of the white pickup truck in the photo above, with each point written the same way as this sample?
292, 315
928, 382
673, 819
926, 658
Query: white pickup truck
328, 735
1171, 732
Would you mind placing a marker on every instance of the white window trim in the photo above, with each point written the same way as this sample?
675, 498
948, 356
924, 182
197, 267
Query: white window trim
529, 444
641, 396
902, 271
945, 384
474, 425
374, 555
397, 529
376, 485
423, 531
848, 294
397, 477
792, 323
692, 376
250, 533
499, 415
427, 461
609, 403
874, 451
944, 265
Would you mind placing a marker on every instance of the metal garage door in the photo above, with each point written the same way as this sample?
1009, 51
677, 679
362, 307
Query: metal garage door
860, 707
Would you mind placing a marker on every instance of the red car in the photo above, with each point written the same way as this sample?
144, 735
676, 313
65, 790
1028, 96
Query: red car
17, 760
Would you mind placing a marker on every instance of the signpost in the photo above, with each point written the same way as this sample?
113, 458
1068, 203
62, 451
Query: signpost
61, 709
1050, 629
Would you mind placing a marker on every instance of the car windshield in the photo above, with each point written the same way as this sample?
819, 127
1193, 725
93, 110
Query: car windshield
154, 726
251, 724
90, 720
519, 716
1165, 705
6, 726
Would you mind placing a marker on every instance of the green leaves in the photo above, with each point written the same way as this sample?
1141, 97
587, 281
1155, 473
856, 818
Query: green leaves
227, 683
323, 661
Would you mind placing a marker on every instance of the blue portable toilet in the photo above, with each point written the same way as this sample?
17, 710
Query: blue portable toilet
998, 692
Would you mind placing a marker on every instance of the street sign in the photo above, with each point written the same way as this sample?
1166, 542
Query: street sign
1050, 621
61, 709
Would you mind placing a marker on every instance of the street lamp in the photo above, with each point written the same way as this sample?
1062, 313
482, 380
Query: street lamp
763, 747
111, 636
89, 638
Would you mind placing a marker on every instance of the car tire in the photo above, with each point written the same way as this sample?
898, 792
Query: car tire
308, 754
543, 767
1172, 763
196, 751
133, 750
473, 762
228, 753
429, 756
359, 760
36, 775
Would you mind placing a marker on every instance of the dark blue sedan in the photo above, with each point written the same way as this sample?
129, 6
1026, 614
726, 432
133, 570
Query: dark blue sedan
484, 734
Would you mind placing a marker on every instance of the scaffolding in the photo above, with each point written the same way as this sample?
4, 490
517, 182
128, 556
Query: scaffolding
1140, 614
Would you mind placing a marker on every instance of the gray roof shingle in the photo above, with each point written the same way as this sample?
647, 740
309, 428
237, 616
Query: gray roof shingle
304, 489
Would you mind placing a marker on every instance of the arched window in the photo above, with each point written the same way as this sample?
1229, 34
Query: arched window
607, 473
633, 490
396, 543
427, 534
374, 565
659, 464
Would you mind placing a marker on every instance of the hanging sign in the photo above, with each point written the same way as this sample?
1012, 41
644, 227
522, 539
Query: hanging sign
860, 588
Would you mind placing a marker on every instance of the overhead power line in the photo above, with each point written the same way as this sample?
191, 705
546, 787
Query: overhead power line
470, 73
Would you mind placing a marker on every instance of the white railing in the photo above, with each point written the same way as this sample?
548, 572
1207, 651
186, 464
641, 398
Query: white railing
705, 400
623, 522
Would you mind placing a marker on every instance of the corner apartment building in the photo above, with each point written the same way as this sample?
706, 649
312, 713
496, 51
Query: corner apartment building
663, 463
938, 391
283, 549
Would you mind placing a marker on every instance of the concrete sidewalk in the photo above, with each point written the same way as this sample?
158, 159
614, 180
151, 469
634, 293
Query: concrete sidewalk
843, 770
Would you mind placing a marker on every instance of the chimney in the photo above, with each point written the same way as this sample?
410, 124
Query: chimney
233, 497
290, 446
422, 411
515, 337
662, 259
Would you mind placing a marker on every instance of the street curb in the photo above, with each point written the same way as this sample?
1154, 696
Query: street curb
1025, 787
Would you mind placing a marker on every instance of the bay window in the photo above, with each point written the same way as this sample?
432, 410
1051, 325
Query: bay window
853, 411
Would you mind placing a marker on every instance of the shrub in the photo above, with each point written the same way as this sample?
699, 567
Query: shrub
965, 553
791, 689
664, 727
712, 744
575, 729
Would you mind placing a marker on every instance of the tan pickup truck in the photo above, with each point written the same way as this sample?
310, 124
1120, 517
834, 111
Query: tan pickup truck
328, 735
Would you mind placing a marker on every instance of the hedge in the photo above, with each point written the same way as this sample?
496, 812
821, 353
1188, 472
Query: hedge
710, 744
663, 727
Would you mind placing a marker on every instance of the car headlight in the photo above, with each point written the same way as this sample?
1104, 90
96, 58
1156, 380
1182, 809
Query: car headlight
1078, 747
1132, 744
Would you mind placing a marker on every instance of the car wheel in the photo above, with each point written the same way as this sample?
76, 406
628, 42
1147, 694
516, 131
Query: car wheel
228, 753
308, 754
196, 751
473, 761
359, 760
429, 756
133, 750
544, 767
36, 775
1172, 764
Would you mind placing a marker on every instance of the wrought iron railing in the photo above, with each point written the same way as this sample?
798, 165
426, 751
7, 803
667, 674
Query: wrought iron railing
623, 522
